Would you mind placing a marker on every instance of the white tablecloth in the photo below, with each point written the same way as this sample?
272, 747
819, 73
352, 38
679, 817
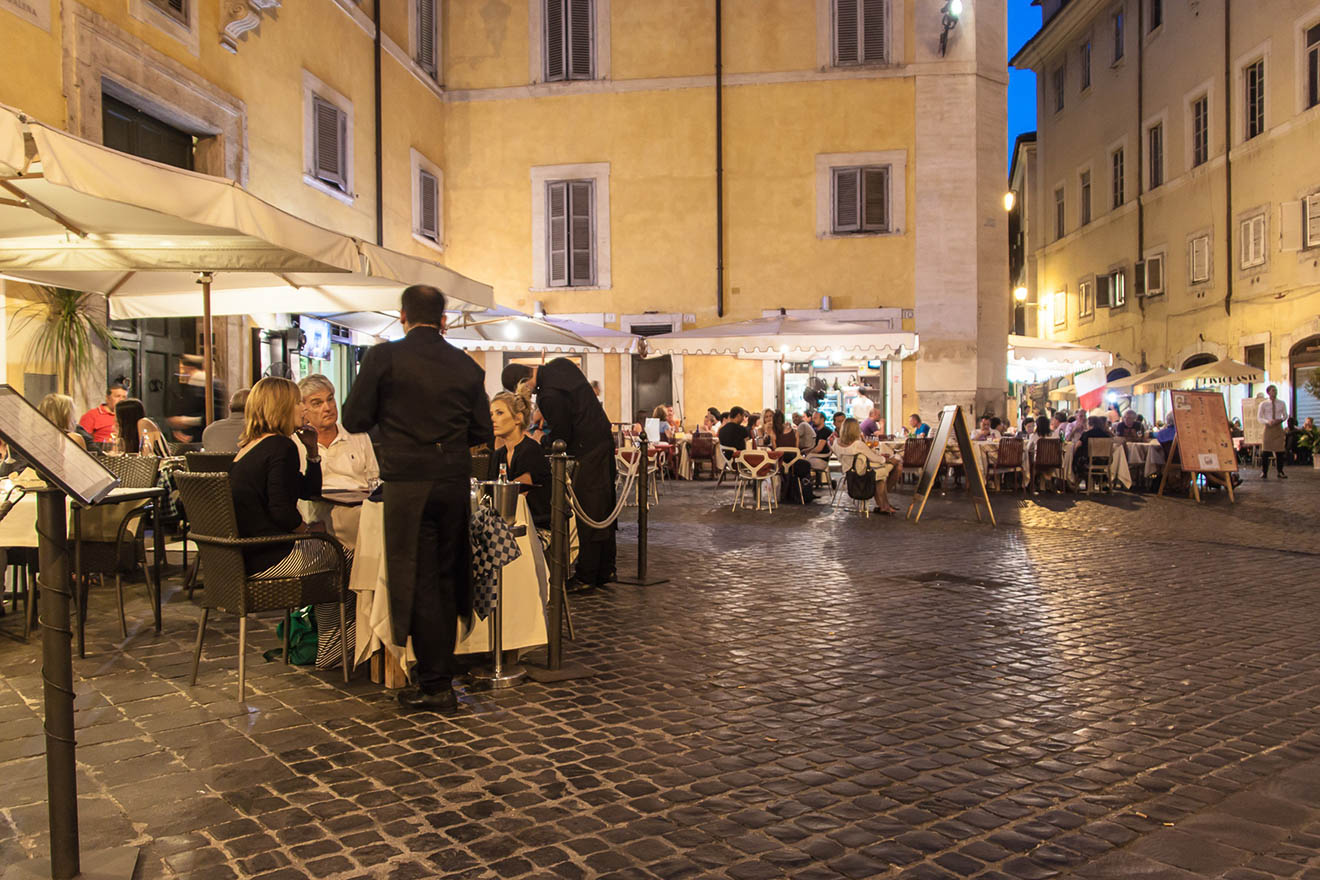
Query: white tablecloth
1119, 471
526, 590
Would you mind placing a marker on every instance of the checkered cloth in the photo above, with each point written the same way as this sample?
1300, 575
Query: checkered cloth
493, 547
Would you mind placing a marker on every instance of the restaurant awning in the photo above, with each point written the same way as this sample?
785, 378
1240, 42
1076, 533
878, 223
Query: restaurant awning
1033, 360
500, 329
786, 337
1064, 392
1221, 372
1128, 384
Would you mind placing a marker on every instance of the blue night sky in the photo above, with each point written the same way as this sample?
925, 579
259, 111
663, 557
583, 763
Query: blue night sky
1023, 22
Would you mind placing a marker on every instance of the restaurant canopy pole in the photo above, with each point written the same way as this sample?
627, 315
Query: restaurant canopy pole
204, 279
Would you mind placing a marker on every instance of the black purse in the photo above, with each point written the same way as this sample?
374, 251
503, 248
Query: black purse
861, 487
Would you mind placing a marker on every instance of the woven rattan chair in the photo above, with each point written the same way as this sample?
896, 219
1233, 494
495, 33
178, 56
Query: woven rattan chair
322, 577
199, 463
1011, 460
1048, 462
701, 450
124, 553
915, 451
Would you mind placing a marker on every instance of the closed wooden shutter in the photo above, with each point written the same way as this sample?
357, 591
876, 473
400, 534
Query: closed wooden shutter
1154, 276
330, 125
847, 29
1102, 300
581, 33
875, 199
847, 199
426, 36
428, 205
557, 208
582, 268
1312, 205
555, 69
177, 9
874, 28
1199, 260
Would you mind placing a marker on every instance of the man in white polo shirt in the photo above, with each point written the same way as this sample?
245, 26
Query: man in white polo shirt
348, 461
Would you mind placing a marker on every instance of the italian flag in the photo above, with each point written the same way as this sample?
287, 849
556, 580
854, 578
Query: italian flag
1091, 388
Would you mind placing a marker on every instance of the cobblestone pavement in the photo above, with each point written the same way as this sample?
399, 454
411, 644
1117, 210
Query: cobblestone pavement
1108, 687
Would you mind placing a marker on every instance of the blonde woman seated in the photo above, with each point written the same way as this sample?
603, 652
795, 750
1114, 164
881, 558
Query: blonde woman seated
888, 468
59, 409
523, 457
265, 480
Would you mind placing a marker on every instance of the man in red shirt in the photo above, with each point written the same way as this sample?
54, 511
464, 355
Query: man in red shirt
99, 421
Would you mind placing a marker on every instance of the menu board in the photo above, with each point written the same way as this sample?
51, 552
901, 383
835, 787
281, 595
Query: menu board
51, 451
1204, 442
951, 423
1253, 430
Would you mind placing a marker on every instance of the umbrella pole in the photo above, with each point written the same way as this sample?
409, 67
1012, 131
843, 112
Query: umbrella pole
204, 279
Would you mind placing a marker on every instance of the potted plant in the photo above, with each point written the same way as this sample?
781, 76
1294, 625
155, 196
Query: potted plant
68, 327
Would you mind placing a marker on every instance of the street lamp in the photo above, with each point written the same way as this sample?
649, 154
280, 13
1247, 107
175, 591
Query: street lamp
951, 12
1020, 294
1010, 199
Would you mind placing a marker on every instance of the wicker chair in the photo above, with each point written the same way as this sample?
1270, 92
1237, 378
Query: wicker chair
126, 551
200, 463
702, 451
1100, 453
1048, 462
915, 452
227, 586
1010, 461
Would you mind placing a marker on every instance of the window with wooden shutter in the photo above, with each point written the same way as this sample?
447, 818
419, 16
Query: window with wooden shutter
1311, 221
570, 40
428, 205
861, 31
1155, 154
1254, 99
1084, 200
329, 136
1116, 178
1117, 289
1198, 260
1312, 87
1154, 275
570, 207
427, 37
861, 199
1103, 294
1085, 298
175, 9
1253, 241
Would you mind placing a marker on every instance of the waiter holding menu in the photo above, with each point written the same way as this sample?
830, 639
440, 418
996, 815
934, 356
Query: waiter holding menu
427, 402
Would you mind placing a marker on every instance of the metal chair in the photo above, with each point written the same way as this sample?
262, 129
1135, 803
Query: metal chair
725, 458
124, 552
626, 461
1010, 461
1099, 453
753, 467
320, 576
860, 465
1048, 461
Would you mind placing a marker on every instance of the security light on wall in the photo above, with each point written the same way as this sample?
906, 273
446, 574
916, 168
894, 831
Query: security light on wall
1020, 294
1010, 199
951, 12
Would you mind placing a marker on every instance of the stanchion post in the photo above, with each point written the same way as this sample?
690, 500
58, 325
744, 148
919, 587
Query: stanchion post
643, 503
558, 552
57, 676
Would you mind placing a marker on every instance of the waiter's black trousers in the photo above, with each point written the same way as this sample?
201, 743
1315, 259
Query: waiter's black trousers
1265, 461
442, 556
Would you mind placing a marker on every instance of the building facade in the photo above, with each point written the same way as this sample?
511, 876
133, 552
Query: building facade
1177, 196
565, 151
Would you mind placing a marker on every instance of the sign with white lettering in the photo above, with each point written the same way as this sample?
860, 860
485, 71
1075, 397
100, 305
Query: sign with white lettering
32, 11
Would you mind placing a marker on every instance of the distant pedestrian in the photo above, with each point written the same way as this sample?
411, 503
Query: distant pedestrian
1272, 414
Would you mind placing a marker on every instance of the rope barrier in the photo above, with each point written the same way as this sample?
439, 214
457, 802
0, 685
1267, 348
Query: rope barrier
618, 507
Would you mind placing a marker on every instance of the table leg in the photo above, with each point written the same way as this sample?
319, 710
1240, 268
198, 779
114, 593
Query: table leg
158, 540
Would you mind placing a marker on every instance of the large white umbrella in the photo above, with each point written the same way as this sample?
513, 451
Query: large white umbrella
497, 329
1128, 384
1221, 372
1034, 360
786, 337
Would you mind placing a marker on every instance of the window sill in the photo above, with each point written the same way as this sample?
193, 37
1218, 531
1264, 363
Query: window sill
889, 233
864, 65
317, 184
570, 289
428, 242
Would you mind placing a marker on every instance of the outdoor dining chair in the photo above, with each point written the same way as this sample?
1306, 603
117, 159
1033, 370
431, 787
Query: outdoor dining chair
114, 548
757, 470
626, 460
915, 451
859, 466
318, 575
1010, 460
701, 450
199, 463
1099, 454
725, 456
1048, 463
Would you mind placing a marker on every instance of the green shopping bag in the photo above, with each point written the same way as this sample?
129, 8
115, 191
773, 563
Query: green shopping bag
302, 639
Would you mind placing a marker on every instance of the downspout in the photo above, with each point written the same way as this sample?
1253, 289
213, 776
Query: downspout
719, 159
1228, 159
1141, 136
380, 177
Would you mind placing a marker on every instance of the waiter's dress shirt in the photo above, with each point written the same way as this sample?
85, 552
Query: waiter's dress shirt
1272, 411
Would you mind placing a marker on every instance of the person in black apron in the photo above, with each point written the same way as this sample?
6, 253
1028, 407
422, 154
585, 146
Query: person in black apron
426, 401
574, 414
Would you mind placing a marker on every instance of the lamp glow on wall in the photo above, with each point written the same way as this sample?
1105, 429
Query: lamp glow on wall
1010, 199
951, 12
1020, 294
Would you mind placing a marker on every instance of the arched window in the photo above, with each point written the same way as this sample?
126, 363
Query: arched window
1117, 373
1199, 360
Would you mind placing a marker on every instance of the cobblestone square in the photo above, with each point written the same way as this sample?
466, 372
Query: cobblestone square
1105, 687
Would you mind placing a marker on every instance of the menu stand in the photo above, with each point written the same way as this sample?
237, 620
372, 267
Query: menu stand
69, 470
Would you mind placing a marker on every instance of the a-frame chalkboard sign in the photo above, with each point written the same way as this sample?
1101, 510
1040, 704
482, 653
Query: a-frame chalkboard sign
951, 421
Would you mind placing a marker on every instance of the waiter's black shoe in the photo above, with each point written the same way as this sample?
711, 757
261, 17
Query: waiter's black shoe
1282, 475
436, 701
1265, 475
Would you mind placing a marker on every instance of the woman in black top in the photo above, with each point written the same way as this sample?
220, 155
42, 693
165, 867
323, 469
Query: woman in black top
523, 457
266, 480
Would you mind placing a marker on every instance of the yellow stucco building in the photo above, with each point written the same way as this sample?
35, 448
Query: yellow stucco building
1174, 190
565, 151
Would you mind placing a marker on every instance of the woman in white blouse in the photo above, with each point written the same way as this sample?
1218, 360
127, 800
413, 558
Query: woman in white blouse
888, 468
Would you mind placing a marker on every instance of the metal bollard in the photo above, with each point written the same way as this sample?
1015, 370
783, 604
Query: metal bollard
504, 497
643, 503
558, 552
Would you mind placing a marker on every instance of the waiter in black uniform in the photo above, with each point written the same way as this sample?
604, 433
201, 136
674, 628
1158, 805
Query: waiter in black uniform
427, 402
575, 416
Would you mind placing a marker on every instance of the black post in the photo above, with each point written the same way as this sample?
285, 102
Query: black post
57, 675
558, 553
643, 502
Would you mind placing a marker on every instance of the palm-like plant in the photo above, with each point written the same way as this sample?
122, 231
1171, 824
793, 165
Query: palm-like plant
68, 328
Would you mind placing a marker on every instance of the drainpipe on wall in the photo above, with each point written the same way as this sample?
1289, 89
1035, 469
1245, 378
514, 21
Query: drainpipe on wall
1141, 135
719, 159
1228, 160
380, 177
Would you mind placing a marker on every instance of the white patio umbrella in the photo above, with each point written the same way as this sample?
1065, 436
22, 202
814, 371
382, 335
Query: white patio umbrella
1221, 372
1033, 360
1128, 384
785, 337
496, 329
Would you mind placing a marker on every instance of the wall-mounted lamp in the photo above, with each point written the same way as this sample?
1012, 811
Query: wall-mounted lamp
1020, 294
951, 12
1010, 199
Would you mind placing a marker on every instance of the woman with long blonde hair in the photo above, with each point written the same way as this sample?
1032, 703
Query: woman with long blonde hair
523, 459
267, 479
888, 468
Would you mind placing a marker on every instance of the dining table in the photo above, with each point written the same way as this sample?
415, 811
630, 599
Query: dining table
526, 590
